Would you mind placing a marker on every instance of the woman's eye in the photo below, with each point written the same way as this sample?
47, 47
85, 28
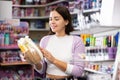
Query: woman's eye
50, 19
56, 19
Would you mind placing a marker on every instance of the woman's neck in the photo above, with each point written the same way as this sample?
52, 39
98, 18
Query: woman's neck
60, 35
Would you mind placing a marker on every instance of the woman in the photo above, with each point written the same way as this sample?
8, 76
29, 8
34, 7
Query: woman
60, 49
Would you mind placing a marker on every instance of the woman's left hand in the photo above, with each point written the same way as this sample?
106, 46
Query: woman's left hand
32, 57
48, 55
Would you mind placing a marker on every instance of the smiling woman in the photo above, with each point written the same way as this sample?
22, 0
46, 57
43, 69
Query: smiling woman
62, 17
57, 23
60, 49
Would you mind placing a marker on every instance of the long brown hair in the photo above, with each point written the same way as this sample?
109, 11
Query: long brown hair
64, 12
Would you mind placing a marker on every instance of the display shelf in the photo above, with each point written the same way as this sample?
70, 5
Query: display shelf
41, 5
10, 47
96, 61
15, 63
45, 18
34, 29
36, 15
94, 71
11, 59
100, 67
91, 10
109, 60
32, 17
20, 11
56, 2
27, 6
16, 72
96, 29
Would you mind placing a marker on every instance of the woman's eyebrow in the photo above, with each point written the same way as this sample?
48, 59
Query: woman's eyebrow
55, 17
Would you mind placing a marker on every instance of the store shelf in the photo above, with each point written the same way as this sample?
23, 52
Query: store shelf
14, 63
91, 10
27, 6
96, 29
36, 15
96, 61
43, 5
11, 61
9, 47
94, 71
109, 60
32, 17
34, 29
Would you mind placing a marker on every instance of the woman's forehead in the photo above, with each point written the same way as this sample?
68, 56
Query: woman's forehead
55, 14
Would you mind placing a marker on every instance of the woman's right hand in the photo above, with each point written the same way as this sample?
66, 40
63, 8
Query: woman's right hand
32, 57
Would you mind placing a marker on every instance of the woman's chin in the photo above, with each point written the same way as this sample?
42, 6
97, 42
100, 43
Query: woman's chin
53, 30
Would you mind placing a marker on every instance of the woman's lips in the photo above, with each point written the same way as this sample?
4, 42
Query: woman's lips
53, 27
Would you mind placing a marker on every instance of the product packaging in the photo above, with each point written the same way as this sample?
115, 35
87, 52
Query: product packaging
26, 44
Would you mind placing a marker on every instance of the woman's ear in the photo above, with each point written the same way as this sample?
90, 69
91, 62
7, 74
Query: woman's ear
66, 22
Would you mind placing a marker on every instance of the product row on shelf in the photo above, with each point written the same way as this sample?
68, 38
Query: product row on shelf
37, 15
12, 64
101, 41
100, 68
17, 72
99, 77
9, 34
103, 60
10, 56
85, 4
31, 2
98, 53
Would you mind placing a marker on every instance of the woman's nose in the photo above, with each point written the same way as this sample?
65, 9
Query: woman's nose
52, 20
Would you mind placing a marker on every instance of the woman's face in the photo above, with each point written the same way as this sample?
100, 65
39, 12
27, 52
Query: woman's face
56, 22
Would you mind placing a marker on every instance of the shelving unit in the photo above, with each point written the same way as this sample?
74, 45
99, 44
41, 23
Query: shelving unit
94, 29
18, 72
12, 65
41, 14
98, 30
36, 15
